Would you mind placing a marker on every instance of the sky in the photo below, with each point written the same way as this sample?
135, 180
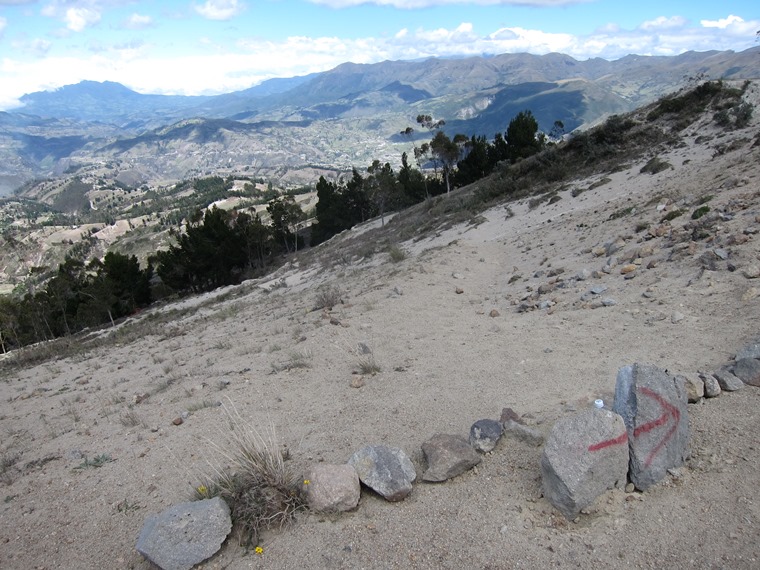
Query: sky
207, 47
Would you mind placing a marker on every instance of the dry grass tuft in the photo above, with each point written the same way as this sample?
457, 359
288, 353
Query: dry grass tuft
260, 490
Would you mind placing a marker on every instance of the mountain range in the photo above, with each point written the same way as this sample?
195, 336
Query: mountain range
285, 128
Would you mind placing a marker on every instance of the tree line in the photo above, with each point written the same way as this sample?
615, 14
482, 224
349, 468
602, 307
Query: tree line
219, 247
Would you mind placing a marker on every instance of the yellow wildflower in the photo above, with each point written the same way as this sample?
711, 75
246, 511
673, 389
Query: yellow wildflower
306, 482
259, 550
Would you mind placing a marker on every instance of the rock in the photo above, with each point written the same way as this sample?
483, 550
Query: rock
599, 251
585, 455
609, 302
583, 274
364, 348
750, 351
712, 388
653, 406
727, 381
523, 433
357, 381
509, 414
748, 371
186, 534
485, 434
178, 421
458, 290
333, 488
598, 289
695, 388
386, 470
494, 313
447, 456
751, 271
676, 317
721, 253
749, 294
628, 268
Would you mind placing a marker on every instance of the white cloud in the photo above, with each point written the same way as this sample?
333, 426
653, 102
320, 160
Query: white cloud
723, 23
663, 23
138, 22
220, 9
77, 19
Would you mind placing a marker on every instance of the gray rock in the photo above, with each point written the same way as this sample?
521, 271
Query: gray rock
585, 455
676, 317
721, 253
712, 388
609, 302
750, 351
186, 534
728, 382
333, 488
448, 456
509, 414
523, 433
583, 274
364, 348
695, 388
386, 470
748, 371
485, 434
654, 407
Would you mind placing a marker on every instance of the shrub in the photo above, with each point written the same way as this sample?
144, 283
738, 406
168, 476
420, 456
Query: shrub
654, 166
672, 215
327, 298
260, 490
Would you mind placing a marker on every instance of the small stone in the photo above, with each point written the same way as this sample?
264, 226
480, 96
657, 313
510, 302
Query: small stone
751, 271
583, 274
748, 371
178, 421
364, 348
494, 313
598, 289
676, 317
386, 470
523, 433
721, 253
712, 388
459, 290
447, 456
750, 294
728, 382
630, 488
485, 434
695, 388
628, 268
357, 381
608, 302
333, 488
599, 251
508, 414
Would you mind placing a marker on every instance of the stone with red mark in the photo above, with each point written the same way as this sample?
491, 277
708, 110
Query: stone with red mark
653, 405
585, 455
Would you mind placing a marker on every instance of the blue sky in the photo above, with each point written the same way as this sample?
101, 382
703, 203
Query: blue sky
216, 46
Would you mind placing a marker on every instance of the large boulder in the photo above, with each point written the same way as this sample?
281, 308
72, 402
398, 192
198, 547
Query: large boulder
653, 405
585, 455
386, 470
447, 456
186, 534
333, 488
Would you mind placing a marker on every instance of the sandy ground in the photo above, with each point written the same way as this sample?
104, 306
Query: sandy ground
445, 363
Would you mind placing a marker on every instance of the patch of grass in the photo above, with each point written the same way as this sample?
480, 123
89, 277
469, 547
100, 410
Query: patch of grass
655, 165
620, 213
705, 199
699, 212
7, 460
672, 215
327, 298
297, 360
94, 463
130, 418
368, 366
259, 488
127, 507
396, 254
195, 406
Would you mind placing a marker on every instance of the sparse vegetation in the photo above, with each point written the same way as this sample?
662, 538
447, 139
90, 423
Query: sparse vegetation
368, 366
327, 298
699, 212
94, 463
655, 165
672, 215
259, 488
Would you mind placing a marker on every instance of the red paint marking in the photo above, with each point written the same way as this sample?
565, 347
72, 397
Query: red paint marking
609, 442
671, 412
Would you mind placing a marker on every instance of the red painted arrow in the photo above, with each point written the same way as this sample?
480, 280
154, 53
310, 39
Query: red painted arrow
609, 442
670, 411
